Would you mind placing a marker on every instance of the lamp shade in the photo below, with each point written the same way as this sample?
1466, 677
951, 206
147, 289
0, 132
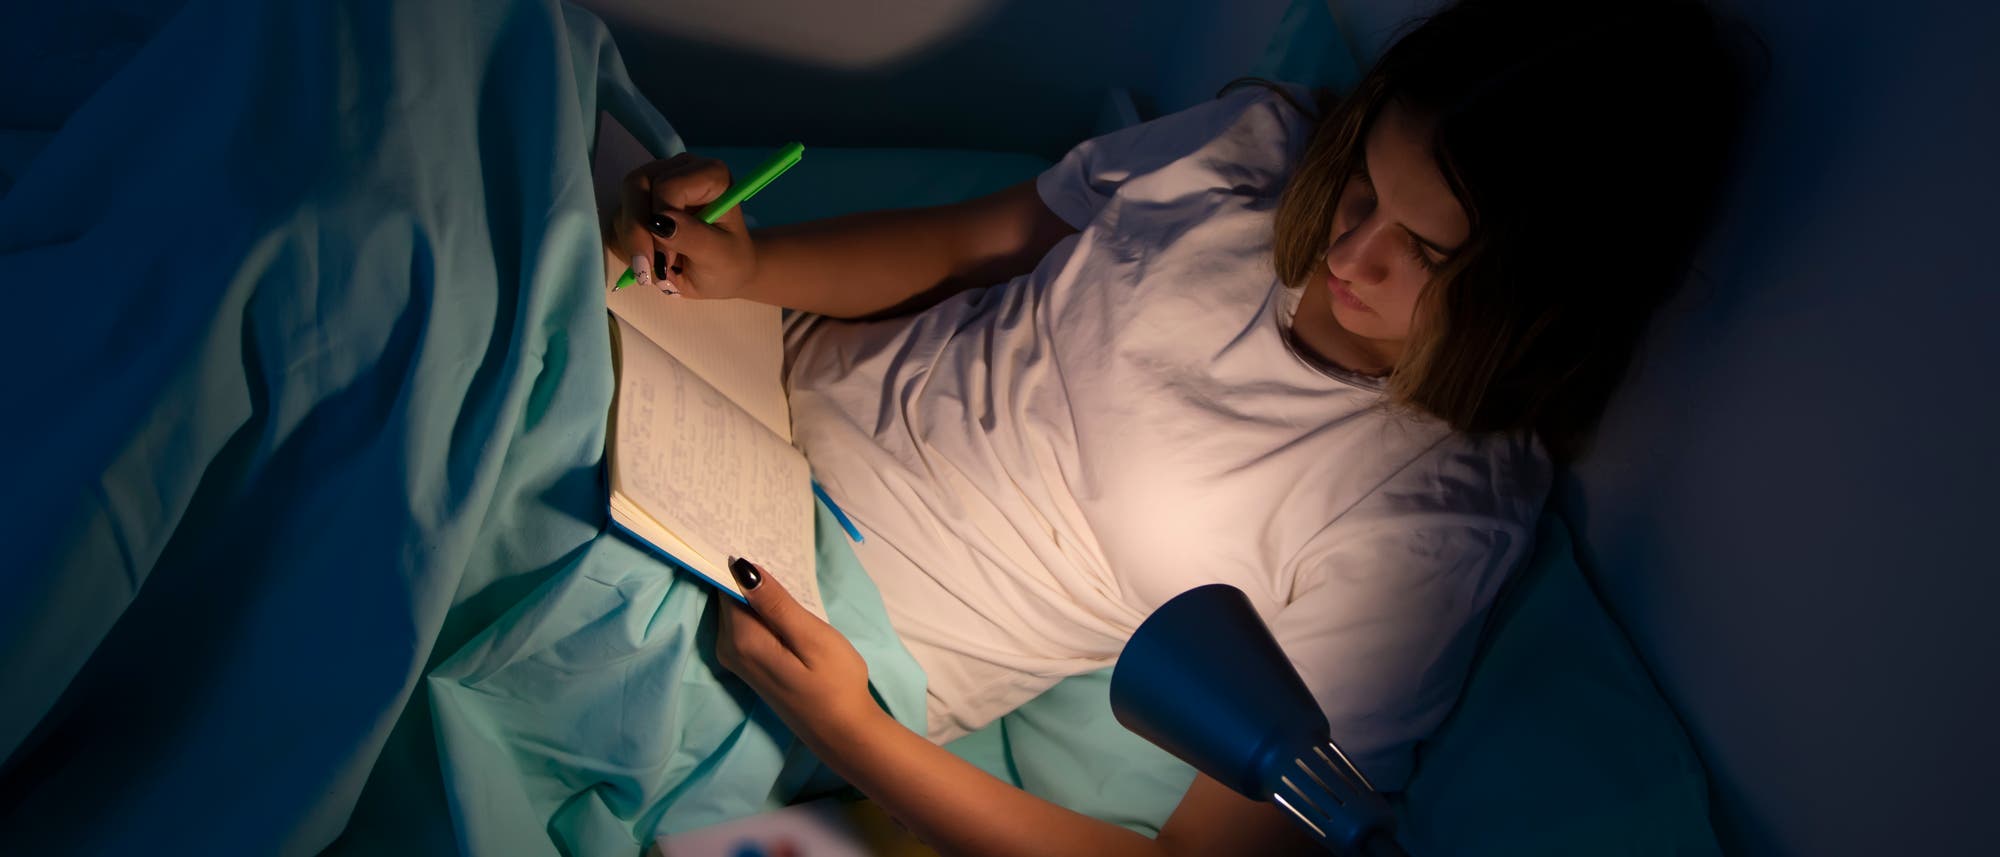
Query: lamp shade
1204, 679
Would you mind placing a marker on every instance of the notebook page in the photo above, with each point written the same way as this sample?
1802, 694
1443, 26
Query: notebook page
685, 457
736, 346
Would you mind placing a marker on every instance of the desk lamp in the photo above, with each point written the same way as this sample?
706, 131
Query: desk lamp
1204, 680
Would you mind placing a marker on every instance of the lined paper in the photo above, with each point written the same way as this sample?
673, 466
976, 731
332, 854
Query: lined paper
708, 472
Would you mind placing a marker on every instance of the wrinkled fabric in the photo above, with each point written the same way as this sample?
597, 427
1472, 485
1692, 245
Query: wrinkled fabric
307, 380
596, 710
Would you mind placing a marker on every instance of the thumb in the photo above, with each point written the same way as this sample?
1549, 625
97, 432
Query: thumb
793, 624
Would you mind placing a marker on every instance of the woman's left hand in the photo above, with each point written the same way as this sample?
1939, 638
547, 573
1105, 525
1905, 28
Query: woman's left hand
803, 667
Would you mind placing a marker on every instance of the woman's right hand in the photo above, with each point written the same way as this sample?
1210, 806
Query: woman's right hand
669, 247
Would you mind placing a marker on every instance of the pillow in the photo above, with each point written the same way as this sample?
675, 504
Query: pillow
1561, 743
1308, 47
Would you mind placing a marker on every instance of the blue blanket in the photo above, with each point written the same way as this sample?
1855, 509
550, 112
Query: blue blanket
307, 375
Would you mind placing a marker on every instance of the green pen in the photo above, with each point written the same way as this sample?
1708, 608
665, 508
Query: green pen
738, 193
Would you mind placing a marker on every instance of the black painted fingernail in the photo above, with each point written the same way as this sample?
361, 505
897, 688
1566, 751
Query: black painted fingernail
746, 574
661, 225
660, 260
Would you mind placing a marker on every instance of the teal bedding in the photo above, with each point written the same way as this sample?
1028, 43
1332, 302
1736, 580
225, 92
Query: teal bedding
308, 382
594, 714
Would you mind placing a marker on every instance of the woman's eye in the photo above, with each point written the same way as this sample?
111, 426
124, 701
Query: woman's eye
1423, 259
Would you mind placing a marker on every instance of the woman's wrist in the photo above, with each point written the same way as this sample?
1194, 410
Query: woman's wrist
753, 289
832, 730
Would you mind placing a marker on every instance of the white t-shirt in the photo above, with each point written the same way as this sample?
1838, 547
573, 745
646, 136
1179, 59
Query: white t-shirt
1038, 465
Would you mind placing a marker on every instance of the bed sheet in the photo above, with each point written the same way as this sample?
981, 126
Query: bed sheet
307, 375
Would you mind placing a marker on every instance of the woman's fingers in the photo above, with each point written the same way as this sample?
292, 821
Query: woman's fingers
715, 261
683, 184
788, 620
634, 240
804, 667
684, 236
746, 646
655, 222
688, 182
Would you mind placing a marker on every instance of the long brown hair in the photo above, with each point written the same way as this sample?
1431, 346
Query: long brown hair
1588, 143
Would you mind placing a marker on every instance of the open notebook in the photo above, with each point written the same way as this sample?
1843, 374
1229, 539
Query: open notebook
700, 446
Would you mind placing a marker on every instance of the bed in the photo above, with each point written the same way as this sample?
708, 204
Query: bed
305, 515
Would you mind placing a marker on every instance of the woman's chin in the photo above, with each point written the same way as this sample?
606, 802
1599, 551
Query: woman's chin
1353, 321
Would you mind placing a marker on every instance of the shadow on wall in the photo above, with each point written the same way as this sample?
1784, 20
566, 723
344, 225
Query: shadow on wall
1789, 502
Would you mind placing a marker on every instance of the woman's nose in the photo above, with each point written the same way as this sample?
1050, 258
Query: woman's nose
1356, 256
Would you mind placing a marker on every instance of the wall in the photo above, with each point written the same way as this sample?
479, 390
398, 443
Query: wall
1792, 505
1013, 75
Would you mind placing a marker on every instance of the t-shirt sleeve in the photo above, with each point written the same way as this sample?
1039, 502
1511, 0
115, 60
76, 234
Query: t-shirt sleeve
1383, 623
1079, 185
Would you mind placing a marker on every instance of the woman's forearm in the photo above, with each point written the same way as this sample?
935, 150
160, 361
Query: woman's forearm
884, 262
959, 809
852, 266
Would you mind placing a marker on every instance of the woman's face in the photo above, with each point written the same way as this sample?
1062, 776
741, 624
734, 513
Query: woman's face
1395, 223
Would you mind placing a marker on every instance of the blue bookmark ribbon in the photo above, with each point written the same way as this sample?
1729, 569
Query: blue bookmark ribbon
838, 515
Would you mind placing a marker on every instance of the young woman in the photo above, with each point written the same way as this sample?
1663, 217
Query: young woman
1324, 352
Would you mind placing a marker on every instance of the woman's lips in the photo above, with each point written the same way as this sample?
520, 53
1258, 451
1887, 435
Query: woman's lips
1341, 294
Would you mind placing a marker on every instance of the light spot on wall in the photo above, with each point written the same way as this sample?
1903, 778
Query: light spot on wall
849, 35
